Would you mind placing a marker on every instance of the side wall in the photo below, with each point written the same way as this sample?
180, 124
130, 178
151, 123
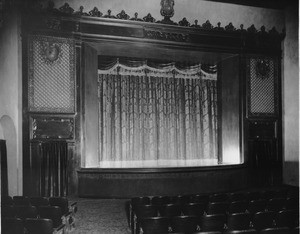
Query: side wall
290, 91
11, 100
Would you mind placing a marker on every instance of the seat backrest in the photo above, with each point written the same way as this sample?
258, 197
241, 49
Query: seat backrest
185, 224
237, 207
51, 212
12, 226
262, 220
21, 201
62, 202
287, 218
8, 212
233, 197
143, 211
160, 200
276, 204
24, 212
194, 209
155, 225
280, 230
217, 207
257, 206
39, 201
170, 210
6, 201
136, 201
218, 197
253, 195
213, 222
39, 226
238, 221
248, 231
198, 198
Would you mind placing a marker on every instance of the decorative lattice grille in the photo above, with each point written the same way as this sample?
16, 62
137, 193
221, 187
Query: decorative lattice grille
262, 84
51, 74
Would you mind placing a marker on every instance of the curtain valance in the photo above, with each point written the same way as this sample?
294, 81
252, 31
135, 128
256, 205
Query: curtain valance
154, 69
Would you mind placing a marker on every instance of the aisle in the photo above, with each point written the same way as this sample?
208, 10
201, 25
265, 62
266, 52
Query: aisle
101, 216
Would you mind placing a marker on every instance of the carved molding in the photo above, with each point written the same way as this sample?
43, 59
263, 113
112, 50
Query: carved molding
52, 128
161, 35
167, 11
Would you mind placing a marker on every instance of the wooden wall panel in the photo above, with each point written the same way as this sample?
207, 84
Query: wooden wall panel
230, 110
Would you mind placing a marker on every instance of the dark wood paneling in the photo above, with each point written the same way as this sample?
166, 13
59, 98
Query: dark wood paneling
104, 184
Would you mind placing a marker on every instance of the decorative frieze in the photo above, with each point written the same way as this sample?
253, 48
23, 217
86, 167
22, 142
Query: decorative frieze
167, 10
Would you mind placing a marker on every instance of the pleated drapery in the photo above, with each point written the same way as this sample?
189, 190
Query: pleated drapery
156, 116
54, 164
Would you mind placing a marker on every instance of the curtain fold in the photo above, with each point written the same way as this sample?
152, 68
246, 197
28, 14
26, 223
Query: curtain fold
54, 165
155, 116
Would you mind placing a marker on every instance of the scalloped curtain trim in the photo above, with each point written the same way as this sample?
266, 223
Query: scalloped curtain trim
164, 71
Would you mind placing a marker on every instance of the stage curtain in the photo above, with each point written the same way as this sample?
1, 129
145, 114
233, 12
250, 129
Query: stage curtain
160, 113
54, 165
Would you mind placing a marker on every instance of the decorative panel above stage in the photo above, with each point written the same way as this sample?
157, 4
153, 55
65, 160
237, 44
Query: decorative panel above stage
51, 86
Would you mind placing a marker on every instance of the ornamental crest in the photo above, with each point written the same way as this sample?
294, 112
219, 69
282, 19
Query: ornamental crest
167, 8
51, 52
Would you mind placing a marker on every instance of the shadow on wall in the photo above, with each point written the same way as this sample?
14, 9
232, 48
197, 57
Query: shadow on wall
8, 133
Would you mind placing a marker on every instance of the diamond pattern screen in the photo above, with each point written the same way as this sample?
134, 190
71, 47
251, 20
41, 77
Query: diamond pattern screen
51, 74
262, 83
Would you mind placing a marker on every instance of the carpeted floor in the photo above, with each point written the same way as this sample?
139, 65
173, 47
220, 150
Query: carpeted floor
101, 216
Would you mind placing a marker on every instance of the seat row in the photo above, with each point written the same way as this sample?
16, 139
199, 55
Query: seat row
62, 202
285, 220
55, 210
30, 226
219, 197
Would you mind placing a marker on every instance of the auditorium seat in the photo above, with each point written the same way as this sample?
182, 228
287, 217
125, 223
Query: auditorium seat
12, 226
8, 212
21, 201
253, 195
181, 200
169, 210
194, 209
160, 200
218, 197
233, 197
6, 201
292, 203
280, 230
214, 222
61, 202
268, 194
154, 225
51, 212
134, 202
248, 231
39, 201
217, 207
287, 218
276, 204
140, 212
263, 220
237, 207
24, 212
42, 226
257, 206
238, 221
185, 224
197, 198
